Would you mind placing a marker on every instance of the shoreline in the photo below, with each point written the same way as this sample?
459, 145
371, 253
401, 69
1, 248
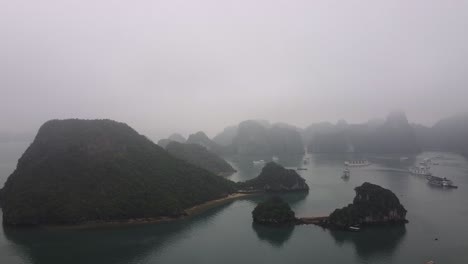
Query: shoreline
189, 212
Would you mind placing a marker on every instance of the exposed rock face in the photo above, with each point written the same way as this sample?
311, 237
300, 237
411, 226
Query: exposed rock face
371, 205
199, 156
275, 178
273, 211
78, 171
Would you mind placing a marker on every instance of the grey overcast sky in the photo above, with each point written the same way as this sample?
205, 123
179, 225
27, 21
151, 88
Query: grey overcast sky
165, 66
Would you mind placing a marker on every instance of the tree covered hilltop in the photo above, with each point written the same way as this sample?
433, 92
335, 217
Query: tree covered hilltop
78, 171
275, 178
372, 205
273, 211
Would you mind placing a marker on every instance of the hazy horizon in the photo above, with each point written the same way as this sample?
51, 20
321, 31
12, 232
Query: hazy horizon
174, 66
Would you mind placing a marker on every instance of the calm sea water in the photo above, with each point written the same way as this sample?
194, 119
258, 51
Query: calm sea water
226, 235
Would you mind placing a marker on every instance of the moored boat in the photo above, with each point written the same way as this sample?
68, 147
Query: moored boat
346, 173
441, 182
422, 170
258, 162
357, 163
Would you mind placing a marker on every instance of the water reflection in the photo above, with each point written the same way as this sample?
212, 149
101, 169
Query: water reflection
113, 245
373, 242
275, 236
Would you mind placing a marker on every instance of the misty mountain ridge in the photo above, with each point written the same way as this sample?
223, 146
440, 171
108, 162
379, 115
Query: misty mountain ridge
394, 134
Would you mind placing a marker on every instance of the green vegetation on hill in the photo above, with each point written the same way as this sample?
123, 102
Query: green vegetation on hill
273, 211
101, 170
276, 178
372, 205
199, 156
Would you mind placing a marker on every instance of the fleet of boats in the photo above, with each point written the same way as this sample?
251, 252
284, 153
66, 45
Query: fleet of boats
424, 170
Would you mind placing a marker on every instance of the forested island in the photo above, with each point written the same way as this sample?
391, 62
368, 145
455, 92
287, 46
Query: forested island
273, 211
79, 171
275, 178
97, 171
372, 205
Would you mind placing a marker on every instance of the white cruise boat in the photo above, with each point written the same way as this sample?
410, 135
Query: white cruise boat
422, 170
258, 162
357, 163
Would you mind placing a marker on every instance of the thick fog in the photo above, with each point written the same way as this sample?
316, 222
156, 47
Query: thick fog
184, 66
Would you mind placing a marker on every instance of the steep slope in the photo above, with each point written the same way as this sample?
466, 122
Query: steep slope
199, 156
100, 170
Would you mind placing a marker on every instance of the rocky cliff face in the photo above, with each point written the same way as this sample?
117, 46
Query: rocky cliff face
275, 178
371, 205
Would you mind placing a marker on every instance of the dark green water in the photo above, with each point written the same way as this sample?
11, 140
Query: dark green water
226, 235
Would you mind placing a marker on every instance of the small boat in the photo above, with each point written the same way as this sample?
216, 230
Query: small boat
441, 182
275, 159
354, 228
258, 162
422, 170
301, 168
357, 163
346, 173
404, 158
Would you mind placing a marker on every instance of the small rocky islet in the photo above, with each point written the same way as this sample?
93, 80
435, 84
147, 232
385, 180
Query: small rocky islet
372, 205
275, 178
273, 211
